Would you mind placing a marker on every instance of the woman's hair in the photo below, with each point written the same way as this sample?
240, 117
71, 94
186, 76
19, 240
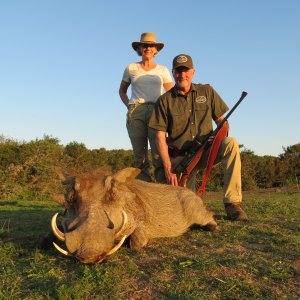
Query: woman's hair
139, 50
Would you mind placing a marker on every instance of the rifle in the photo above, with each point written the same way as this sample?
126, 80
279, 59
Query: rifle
192, 158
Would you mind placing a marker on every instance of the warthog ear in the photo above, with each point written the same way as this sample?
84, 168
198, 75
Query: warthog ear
115, 186
127, 174
60, 173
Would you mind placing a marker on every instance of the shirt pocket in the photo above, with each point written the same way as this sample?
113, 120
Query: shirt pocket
202, 111
179, 122
201, 107
203, 117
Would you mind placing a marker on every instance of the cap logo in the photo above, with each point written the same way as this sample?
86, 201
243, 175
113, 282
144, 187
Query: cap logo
201, 99
181, 59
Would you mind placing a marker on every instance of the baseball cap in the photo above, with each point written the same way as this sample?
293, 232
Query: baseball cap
182, 60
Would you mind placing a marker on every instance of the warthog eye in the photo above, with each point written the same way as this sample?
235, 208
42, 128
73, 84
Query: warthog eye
71, 196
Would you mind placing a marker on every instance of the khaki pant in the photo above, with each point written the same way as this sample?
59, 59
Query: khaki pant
229, 157
139, 133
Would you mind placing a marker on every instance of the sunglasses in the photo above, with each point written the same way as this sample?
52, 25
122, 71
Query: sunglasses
148, 45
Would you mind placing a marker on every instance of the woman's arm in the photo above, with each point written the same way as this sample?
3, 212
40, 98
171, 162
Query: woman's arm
168, 86
123, 92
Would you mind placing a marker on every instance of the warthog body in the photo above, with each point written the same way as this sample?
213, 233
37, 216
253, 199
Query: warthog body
98, 204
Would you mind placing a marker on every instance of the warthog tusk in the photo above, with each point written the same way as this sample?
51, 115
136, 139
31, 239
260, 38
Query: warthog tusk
114, 249
61, 250
123, 227
55, 229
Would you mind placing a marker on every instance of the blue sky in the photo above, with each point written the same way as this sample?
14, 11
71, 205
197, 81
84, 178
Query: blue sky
61, 63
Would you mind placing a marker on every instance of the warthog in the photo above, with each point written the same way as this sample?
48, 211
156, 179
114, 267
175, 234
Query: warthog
103, 210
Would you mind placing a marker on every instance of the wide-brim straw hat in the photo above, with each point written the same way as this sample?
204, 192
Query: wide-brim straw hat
148, 38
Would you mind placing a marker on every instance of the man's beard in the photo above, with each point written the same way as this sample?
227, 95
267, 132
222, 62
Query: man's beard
182, 86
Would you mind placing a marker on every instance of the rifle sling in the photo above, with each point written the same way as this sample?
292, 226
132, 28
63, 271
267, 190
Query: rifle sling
221, 134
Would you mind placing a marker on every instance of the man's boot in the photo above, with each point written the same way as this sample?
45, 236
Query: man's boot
235, 212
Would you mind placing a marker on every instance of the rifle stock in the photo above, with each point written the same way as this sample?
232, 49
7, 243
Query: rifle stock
192, 158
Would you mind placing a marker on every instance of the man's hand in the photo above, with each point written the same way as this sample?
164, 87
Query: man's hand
218, 121
164, 155
171, 177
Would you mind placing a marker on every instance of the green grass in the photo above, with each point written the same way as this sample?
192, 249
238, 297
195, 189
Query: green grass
259, 259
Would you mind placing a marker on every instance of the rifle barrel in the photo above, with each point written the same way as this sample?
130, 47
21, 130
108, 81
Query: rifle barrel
244, 94
188, 159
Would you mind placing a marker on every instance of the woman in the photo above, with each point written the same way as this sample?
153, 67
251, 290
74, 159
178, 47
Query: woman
147, 80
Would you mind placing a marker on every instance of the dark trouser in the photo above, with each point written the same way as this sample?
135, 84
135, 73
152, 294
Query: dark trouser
139, 133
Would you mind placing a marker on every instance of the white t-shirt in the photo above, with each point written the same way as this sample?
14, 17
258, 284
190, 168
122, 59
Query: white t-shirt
146, 86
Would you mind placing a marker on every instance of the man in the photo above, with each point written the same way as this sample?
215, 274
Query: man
180, 114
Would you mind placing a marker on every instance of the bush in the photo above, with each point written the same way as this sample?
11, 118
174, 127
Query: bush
30, 166
36, 168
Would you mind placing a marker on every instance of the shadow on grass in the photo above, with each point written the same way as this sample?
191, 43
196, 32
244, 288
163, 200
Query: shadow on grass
24, 227
8, 203
28, 270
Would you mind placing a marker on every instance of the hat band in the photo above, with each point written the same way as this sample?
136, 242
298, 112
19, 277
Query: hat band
149, 42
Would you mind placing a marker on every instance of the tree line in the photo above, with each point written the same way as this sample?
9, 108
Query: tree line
33, 169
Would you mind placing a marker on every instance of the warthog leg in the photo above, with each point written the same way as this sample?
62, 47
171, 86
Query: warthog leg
138, 239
